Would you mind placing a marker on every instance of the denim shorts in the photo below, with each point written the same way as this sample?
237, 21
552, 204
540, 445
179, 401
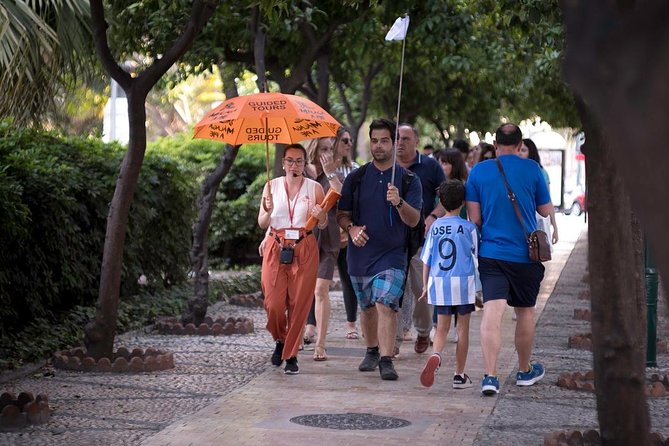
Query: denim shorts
518, 283
448, 310
385, 288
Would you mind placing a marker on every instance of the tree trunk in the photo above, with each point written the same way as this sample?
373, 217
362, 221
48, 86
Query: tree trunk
199, 301
609, 46
99, 334
618, 300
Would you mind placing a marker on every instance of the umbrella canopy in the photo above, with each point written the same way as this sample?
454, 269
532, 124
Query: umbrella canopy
266, 117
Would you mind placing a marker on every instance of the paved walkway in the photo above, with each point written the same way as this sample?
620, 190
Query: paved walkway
260, 412
223, 390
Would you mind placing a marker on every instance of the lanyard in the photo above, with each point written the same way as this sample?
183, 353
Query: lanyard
291, 212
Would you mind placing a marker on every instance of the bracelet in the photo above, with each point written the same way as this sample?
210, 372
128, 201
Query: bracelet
433, 215
331, 176
399, 205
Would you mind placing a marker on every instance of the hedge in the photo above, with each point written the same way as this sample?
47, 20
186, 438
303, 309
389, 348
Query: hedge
54, 198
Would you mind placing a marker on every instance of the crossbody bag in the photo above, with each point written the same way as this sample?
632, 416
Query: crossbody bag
538, 245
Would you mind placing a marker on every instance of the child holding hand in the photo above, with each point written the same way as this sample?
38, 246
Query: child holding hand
449, 280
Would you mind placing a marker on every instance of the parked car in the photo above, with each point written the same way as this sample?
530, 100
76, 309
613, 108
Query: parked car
576, 205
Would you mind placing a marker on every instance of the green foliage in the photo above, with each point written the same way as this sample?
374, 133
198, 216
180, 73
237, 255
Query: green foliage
201, 156
44, 47
45, 336
233, 234
54, 195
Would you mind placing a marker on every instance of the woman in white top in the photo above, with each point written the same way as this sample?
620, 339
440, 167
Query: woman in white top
290, 254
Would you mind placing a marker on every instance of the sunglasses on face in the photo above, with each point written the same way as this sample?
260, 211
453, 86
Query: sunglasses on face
346, 140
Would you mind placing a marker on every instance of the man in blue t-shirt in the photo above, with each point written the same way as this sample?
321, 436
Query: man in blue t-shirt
377, 219
507, 273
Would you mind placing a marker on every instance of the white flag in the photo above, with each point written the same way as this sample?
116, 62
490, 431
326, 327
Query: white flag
399, 29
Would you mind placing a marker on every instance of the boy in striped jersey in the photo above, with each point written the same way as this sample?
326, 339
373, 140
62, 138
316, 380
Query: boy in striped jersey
449, 280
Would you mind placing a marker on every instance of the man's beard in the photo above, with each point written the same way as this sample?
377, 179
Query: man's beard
382, 156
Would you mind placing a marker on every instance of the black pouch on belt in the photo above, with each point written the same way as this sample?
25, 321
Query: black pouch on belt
287, 254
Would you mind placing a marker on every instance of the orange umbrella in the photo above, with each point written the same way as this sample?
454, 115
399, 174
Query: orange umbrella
266, 117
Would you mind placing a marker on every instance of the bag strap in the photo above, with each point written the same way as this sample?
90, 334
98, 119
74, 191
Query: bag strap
512, 197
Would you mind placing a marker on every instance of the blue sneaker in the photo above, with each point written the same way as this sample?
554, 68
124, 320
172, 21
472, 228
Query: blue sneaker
528, 378
490, 385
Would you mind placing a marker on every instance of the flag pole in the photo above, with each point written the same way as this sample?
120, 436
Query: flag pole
399, 101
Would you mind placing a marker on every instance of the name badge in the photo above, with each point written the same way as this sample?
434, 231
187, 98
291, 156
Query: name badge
291, 234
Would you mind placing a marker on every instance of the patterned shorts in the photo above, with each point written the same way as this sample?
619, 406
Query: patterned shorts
385, 288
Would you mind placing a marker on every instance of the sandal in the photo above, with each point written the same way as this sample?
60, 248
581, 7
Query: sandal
309, 339
320, 354
352, 334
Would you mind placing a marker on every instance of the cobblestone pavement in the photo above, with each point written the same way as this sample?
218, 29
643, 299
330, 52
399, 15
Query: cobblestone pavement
525, 415
223, 390
124, 409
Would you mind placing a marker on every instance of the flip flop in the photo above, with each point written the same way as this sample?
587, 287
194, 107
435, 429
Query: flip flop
320, 354
352, 334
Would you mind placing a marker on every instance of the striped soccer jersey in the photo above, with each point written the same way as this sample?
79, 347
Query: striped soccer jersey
451, 250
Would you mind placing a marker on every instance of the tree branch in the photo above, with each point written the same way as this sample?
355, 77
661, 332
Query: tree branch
102, 46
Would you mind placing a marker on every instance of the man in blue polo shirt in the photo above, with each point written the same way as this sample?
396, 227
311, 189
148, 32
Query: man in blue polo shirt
507, 273
377, 219
431, 176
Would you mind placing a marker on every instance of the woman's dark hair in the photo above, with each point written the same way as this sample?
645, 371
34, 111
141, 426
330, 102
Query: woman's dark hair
485, 149
454, 158
298, 147
532, 150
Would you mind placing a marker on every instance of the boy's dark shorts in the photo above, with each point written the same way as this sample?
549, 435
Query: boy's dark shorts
518, 283
453, 309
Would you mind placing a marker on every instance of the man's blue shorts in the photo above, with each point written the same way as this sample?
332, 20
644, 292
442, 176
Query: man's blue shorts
518, 283
386, 287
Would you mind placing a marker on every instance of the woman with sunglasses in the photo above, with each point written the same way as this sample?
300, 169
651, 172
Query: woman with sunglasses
322, 166
290, 254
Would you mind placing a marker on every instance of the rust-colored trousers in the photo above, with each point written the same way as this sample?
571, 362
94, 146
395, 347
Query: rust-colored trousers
288, 290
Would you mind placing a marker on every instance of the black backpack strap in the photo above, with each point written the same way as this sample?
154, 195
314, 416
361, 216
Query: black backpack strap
357, 175
407, 178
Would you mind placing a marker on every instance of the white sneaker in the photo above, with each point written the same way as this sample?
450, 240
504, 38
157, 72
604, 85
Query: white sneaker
453, 336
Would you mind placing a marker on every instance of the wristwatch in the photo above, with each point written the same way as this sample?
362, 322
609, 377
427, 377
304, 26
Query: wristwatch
399, 205
348, 227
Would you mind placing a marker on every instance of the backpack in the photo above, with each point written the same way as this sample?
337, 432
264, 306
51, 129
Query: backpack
416, 235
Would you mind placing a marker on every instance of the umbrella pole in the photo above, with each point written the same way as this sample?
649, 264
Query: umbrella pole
267, 160
269, 188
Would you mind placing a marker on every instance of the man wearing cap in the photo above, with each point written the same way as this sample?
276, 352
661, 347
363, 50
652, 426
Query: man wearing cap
508, 275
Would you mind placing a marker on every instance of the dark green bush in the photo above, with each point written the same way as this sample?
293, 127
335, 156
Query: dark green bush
234, 232
54, 198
